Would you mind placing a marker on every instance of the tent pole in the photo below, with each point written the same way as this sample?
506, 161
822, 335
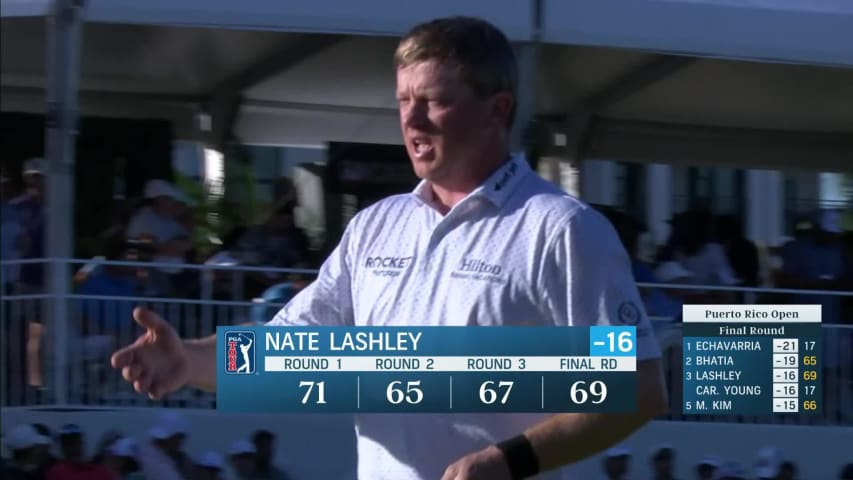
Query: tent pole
63, 70
527, 54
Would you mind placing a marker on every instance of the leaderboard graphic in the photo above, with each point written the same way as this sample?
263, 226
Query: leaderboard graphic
752, 359
426, 369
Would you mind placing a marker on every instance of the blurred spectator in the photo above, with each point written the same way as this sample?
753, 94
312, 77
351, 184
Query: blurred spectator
101, 320
741, 252
787, 471
657, 301
30, 210
73, 465
663, 460
731, 471
12, 241
767, 463
814, 260
179, 428
265, 468
120, 458
707, 468
104, 444
158, 222
44, 456
677, 237
674, 298
846, 472
617, 462
703, 255
25, 443
276, 243
241, 456
210, 466
163, 457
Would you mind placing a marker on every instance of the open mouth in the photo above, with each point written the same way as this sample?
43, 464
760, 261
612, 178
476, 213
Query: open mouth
422, 146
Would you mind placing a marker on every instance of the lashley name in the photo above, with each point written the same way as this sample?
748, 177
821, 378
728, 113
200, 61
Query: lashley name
381, 341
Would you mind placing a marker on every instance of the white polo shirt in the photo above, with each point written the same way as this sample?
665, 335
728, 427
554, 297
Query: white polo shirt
516, 251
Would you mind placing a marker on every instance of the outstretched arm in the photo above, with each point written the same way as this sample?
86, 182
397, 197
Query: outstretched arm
201, 356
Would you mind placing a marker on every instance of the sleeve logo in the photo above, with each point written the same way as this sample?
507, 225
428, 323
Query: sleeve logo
629, 313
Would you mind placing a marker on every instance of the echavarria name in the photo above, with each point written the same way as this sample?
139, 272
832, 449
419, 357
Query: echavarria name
349, 341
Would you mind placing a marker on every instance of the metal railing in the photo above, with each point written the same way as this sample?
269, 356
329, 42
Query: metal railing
97, 324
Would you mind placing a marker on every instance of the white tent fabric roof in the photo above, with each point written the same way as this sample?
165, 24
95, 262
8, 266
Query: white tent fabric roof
797, 31
158, 59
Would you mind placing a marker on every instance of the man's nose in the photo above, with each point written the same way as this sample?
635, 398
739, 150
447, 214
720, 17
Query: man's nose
414, 114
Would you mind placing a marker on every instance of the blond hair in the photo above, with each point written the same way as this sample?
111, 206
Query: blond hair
484, 55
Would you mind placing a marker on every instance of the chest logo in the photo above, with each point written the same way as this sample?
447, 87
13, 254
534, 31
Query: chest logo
387, 266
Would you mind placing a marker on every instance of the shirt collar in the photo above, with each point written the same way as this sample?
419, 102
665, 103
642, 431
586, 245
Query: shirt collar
496, 189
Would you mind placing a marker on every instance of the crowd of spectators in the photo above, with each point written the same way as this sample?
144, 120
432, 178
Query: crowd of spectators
704, 249
770, 464
37, 453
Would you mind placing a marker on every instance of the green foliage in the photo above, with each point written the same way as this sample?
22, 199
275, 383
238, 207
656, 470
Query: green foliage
216, 216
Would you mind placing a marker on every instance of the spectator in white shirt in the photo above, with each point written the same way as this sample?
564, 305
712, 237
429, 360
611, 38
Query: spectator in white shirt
158, 223
163, 457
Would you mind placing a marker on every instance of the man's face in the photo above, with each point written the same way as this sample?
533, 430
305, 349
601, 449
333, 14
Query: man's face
446, 126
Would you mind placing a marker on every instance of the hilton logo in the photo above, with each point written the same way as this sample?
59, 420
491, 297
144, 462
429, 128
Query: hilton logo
479, 266
475, 269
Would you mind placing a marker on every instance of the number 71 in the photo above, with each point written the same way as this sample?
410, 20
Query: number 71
321, 391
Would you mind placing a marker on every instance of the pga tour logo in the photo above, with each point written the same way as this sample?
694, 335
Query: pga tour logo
240, 352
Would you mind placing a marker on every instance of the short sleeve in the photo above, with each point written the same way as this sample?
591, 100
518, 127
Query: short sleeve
588, 280
327, 301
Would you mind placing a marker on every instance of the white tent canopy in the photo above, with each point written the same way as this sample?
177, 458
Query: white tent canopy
799, 31
672, 81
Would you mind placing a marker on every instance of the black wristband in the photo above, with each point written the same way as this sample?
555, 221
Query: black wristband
520, 457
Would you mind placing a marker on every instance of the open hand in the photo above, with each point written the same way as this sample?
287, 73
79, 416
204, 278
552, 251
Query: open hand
157, 362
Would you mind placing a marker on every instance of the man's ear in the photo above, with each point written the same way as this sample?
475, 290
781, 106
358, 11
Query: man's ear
500, 107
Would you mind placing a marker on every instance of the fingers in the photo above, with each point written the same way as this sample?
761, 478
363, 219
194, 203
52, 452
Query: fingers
148, 319
123, 357
138, 377
142, 384
132, 373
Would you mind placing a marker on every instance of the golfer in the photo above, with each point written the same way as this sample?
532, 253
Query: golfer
481, 241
